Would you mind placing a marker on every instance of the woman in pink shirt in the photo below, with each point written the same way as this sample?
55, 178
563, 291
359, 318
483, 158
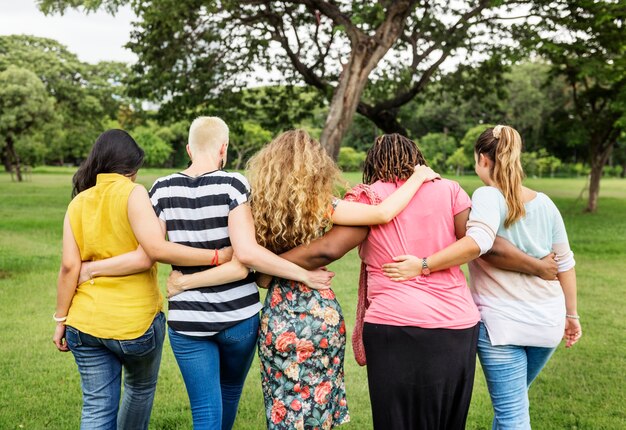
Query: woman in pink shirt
419, 335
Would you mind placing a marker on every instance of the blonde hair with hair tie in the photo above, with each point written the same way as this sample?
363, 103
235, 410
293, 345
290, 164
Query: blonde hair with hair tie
292, 180
496, 131
503, 145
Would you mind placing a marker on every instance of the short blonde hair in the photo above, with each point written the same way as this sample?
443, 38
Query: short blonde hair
207, 133
292, 180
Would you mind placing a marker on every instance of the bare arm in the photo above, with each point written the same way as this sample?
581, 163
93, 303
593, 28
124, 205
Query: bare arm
151, 235
504, 255
67, 282
320, 252
132, 262
124, 264
328, 248
455, 254
222, 274
573, 330
354, 213
254, 256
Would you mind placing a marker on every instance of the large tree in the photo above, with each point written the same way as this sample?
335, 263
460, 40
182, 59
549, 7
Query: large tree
85, 95
586, 44
24, 106
192, 50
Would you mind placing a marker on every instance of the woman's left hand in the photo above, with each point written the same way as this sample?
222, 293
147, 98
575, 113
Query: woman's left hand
59, 338
573, 332
85, 272
405, 267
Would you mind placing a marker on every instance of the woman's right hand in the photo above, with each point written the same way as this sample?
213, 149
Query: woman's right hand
425, 173
319, 279
173, 284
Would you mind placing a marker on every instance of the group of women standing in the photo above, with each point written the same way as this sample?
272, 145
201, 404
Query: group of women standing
419, 326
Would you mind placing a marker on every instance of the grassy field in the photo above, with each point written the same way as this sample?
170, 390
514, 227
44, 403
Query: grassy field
581, 388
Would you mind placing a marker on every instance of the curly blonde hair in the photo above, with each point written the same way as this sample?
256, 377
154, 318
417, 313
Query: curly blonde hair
292, 180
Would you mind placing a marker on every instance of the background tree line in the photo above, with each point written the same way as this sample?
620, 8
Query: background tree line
382, 60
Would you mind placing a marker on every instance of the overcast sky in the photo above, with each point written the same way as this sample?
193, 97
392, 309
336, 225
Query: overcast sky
93, 37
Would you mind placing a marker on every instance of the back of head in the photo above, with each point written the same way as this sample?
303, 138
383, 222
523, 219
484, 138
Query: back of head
207, 134
392, 158
114, 151
292, 180
503, 145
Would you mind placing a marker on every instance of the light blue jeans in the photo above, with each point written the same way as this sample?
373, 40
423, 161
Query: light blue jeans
100, 363
214, 370
509, 371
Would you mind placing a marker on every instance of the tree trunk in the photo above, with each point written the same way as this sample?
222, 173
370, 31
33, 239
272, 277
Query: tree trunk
364, 57
623, 174
599, 157
346, 98
12, 154
6, 160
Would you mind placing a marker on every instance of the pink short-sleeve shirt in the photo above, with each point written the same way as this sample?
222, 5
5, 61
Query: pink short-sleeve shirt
425, 226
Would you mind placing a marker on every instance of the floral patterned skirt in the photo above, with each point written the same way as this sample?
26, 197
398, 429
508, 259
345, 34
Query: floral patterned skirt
302, 345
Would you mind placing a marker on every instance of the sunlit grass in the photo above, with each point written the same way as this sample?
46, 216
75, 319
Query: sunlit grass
581, 388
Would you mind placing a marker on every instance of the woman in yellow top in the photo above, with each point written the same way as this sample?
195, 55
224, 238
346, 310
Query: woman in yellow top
112, 323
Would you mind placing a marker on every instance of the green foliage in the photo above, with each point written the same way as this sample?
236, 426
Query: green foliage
459, 161
437, 147
245, 143
470, 138
25, 109
24, 102
350, 160
157, 151
85, 96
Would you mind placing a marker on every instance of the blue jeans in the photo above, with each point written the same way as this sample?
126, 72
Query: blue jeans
214, 369
509, 371
100, 362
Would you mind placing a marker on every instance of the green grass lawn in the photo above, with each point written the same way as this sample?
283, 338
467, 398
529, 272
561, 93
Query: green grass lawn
581, 388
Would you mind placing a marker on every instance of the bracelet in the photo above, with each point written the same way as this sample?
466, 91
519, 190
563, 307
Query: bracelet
216, 259
58, 319
574, 317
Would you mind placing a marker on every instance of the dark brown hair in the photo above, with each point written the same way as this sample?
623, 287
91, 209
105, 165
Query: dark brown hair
115, 151
391, 158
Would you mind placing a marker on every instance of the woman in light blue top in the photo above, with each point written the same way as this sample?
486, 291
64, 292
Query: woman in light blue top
523, 317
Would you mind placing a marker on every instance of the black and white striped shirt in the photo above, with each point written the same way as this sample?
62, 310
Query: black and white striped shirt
195, 211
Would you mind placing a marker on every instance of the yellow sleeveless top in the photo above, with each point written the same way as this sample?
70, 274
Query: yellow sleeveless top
116, 307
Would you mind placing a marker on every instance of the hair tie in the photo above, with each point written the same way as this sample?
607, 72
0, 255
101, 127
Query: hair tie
496, 131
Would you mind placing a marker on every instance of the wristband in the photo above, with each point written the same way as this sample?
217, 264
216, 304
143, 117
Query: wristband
216, 259
58, 319
574, 317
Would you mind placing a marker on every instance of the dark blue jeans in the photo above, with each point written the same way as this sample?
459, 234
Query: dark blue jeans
214, 369
100, 363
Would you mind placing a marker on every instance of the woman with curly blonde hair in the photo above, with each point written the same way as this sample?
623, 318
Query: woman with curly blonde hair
302, 336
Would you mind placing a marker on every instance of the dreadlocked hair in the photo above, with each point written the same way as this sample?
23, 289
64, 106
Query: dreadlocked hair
392, 158
292, 180
503, 145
